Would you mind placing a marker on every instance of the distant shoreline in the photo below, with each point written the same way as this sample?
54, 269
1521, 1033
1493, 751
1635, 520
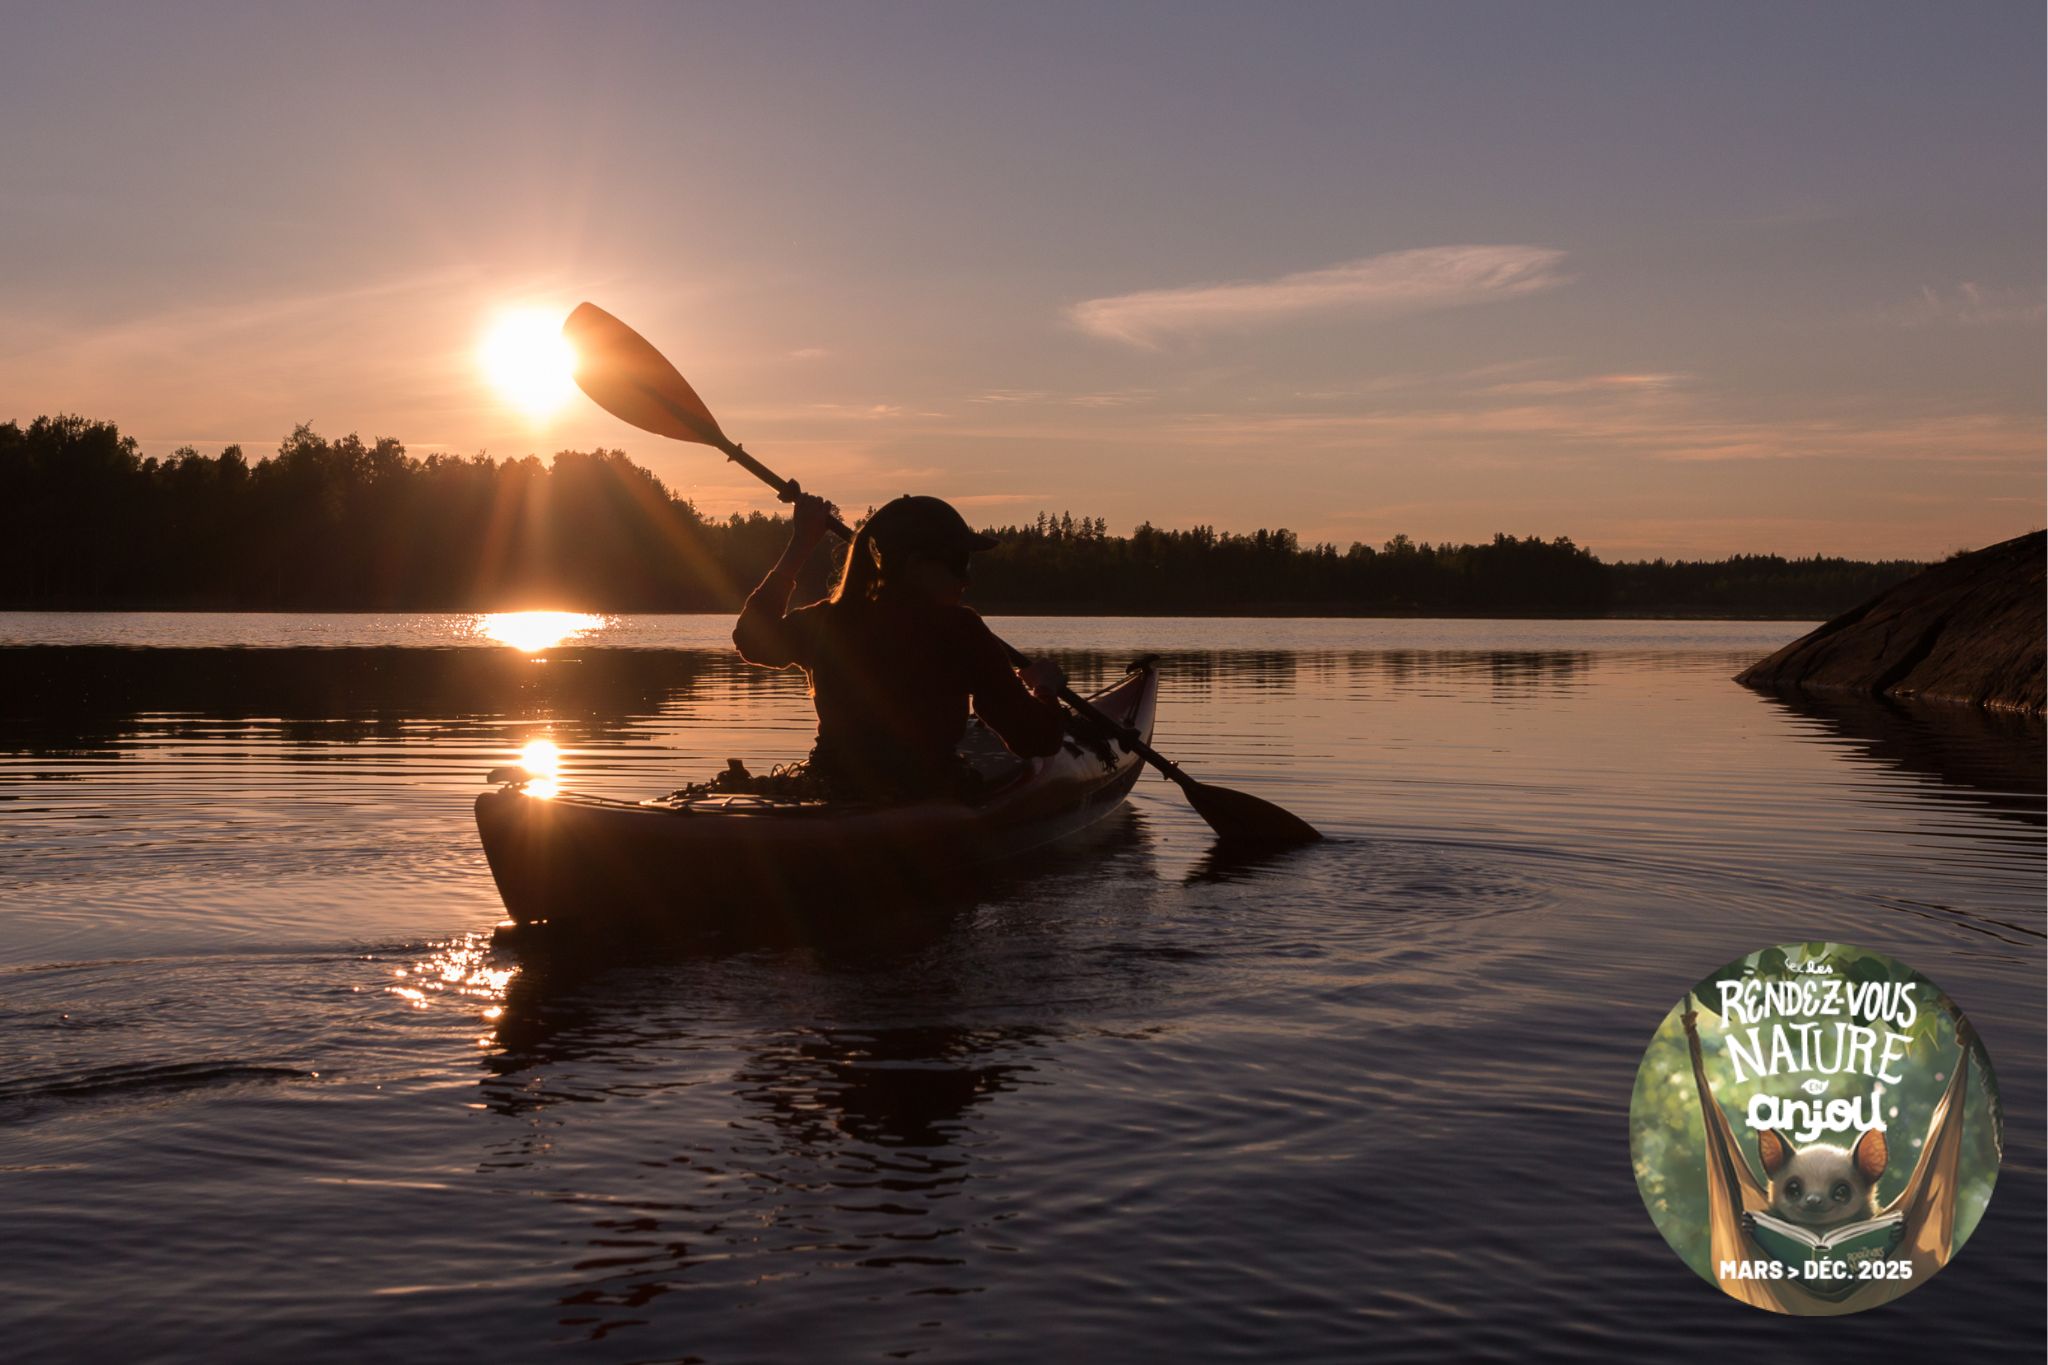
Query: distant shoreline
1236, 611
343, 525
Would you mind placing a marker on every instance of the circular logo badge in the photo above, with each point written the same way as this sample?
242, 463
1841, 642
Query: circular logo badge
1815, 1129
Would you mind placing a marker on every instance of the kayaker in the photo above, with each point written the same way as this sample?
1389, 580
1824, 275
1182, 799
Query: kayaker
893, 656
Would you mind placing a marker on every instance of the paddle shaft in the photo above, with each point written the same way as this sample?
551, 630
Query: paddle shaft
1124, 734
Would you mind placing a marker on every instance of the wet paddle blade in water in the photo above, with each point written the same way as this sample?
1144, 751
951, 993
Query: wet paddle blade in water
1246, 822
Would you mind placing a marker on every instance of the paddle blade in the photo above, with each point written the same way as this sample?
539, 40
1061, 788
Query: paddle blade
1246, 822
628, 378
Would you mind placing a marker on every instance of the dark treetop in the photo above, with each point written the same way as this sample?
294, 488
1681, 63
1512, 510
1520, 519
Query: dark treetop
88, 523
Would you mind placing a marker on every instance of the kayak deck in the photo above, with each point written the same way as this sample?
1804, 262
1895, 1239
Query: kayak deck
566, 860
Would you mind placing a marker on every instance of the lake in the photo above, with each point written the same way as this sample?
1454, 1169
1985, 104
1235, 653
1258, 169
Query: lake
268, 1089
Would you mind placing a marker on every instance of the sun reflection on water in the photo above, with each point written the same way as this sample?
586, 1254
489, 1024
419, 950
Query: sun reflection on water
460, 972
532, 631
543, 758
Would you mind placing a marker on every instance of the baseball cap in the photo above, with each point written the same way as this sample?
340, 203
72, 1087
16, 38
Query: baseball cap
915, 522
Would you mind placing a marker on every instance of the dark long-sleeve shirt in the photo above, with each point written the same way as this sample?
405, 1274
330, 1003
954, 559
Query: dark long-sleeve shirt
892, 679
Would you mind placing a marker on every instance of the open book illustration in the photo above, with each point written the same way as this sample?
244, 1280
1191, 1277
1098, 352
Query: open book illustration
1796, 1245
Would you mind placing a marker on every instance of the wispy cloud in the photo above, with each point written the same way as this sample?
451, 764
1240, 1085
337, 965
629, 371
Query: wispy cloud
1115, 398
864, 412
1396, 282
1605, 415
1968, 305
213, 322
1509, 415
1586, 384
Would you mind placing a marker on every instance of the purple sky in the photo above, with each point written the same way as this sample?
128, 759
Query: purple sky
1670, 279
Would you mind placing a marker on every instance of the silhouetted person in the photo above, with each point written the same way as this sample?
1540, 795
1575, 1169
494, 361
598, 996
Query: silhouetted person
894, 658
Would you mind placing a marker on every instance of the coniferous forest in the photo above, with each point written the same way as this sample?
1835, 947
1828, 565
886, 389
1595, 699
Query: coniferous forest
87, 522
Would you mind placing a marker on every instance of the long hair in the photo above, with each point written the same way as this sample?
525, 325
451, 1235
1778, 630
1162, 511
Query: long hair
861, 574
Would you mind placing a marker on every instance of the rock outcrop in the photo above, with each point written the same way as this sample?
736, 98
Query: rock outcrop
1969, 630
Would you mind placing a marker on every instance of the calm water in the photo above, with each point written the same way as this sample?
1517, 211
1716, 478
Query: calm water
267, 1090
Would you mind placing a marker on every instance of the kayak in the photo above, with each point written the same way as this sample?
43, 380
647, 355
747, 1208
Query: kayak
736, 861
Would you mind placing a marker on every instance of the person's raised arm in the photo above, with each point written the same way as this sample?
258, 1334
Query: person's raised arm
762, 632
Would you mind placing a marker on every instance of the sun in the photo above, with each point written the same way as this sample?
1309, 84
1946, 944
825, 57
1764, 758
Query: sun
526, 357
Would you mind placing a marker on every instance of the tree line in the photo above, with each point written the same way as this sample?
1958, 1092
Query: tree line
88, 522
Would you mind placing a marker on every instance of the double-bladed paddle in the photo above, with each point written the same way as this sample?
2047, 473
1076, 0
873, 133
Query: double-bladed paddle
635, 383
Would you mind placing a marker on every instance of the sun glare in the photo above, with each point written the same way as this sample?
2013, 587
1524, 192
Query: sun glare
528, 360
532, 631
542, 758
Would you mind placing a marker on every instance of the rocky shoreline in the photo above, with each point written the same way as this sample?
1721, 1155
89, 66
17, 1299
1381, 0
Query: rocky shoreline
1968, 631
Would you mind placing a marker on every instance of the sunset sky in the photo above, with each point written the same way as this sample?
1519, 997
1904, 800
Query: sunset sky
1672, 280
